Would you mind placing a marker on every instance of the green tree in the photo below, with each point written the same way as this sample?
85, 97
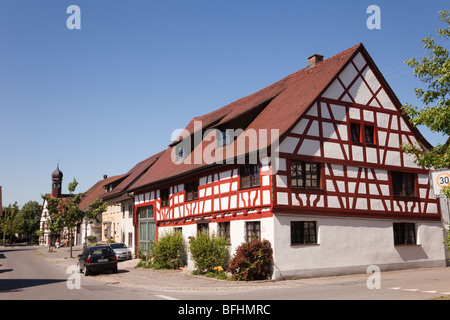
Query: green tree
65, 212
434, 71
28, 218
9, 225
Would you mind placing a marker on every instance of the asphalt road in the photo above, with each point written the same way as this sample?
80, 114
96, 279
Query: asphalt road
24, 275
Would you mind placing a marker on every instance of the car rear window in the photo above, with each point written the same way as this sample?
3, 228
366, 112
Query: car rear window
117, 245
102, 251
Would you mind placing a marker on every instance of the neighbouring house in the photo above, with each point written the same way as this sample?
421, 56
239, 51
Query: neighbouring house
112, 216
92, 228
119, 200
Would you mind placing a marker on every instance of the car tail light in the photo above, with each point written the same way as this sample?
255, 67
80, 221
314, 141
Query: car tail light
88, 260
115, 258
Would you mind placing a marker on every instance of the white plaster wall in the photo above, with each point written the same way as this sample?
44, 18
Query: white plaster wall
127, 227
347, 245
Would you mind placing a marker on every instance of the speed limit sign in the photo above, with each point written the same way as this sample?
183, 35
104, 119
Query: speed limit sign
439, 179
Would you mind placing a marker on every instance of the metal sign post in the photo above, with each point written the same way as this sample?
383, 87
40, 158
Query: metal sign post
439, 179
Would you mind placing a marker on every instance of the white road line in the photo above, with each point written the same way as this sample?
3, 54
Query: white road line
412, 290
165, 297
424, 291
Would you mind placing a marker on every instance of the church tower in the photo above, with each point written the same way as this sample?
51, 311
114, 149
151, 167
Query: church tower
57, 177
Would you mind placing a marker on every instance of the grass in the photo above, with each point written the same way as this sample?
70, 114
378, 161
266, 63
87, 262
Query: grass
442, 298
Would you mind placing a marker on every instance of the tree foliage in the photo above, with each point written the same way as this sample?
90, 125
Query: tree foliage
434, 71
66, 213
24, 221
28, 218
9, 224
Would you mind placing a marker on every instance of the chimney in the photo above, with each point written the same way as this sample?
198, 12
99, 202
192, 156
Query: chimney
314, 59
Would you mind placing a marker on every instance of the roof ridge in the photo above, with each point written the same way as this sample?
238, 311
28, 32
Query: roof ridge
321, 63
290, 98
330, 59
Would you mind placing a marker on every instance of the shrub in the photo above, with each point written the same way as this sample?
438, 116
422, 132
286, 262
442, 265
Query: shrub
221, 276
208, 251
168, 252
252, 261
91, 240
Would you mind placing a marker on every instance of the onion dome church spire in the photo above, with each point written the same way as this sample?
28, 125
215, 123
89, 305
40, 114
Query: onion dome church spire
57, 177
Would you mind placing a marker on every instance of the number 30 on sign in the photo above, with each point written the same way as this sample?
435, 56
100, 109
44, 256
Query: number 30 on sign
443, 179
439, 179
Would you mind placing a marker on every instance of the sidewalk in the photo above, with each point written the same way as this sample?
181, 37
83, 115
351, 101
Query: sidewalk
166, 280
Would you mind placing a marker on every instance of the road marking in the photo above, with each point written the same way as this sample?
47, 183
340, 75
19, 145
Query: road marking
415, 290
165, 297
412, 290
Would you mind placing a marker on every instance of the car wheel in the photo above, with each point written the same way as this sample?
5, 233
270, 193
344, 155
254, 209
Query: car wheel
114, 270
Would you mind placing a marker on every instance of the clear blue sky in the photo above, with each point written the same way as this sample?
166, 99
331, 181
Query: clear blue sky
105, 97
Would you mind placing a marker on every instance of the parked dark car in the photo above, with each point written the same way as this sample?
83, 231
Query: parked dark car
121, 250
97, 259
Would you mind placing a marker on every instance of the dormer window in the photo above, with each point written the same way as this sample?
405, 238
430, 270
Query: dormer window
223, 138
180, 153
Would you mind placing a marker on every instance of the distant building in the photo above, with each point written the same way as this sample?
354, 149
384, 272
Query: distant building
118, 220
47, 237
93, 228
111, 217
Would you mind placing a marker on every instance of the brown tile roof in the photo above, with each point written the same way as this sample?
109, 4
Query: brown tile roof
291, 95
283, 103
66, 197
132, 175
286, 101
97, 190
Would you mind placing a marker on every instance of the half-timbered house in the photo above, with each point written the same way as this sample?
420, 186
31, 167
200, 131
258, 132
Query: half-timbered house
314, 164
47, 238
